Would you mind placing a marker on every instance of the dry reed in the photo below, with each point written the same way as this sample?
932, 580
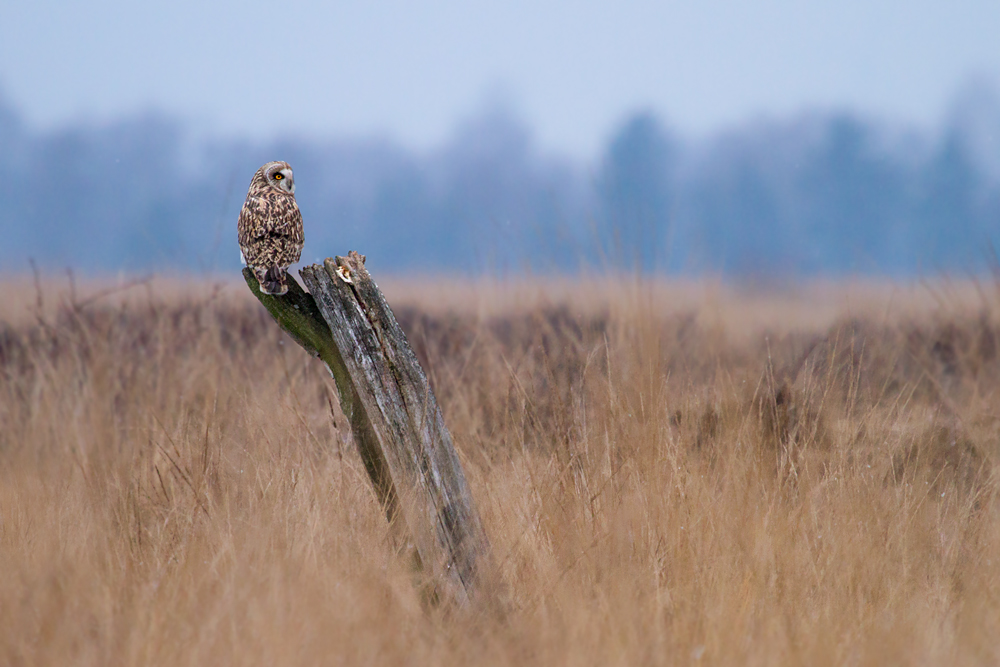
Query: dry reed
669, 474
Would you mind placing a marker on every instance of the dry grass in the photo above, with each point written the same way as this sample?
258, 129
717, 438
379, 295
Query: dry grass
669, 475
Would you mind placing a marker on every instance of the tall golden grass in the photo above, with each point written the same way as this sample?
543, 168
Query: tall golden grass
668, 473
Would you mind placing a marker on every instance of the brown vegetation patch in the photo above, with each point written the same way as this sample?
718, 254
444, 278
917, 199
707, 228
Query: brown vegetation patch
662, 485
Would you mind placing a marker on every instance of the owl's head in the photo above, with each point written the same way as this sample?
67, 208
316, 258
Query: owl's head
278, 175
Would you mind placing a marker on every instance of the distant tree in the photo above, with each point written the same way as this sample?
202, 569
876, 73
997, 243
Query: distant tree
974, 119
408, 217
11, 127
739, 221
111, 196
853, 201
487, 177
634, 189
947, 216
13, 148
500, 201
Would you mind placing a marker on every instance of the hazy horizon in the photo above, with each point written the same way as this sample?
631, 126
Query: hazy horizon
823, 193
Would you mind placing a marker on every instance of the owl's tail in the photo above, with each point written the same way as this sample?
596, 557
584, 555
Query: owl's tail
274, 281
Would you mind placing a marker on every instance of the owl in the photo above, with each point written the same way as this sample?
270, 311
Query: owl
270, 227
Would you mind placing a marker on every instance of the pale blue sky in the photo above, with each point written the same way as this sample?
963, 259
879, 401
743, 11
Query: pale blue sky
411, 69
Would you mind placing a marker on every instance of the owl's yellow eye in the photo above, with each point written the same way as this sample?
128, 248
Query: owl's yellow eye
278, 177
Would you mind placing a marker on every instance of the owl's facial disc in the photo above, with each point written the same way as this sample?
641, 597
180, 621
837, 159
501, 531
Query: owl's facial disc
283, 180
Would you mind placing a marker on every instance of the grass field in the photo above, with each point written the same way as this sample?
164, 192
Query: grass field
669, 474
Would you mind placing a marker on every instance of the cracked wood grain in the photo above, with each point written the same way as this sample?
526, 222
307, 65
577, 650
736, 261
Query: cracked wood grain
397, 424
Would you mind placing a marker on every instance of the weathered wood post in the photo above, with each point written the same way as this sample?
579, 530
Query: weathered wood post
397, 425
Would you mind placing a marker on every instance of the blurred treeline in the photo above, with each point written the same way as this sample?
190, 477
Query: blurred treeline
819, 194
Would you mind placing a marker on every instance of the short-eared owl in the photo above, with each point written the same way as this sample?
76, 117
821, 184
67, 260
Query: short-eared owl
270, 226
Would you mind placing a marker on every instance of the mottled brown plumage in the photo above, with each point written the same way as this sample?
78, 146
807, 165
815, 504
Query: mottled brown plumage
270, 226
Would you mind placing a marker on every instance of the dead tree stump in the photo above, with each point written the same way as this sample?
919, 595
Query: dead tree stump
395, 420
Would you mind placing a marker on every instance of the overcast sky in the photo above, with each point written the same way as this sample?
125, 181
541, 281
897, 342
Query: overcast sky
412, 69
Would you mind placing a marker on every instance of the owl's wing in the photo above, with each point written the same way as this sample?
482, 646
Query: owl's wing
292, 226
251, 221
